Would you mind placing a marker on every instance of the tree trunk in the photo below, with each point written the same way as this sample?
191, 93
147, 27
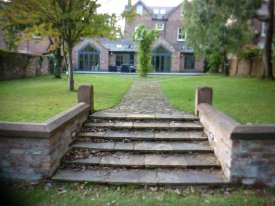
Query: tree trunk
70, 68
267, 57
237, 67
250, 67
57, 71
226, 66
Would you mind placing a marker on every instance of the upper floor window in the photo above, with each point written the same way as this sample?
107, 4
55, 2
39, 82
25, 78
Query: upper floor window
181, 11
139, 9
159, 26
162, 11
181, 35
263, 32
156, 11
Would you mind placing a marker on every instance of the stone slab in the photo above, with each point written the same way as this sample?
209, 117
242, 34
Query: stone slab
127, 125
142, 135
100, 125
103, 115
96, 176
126, 160
202, 160
189, 147
140, 116
153, 160
152, 147
171, 136
91, 161
105, 146
197, 135
124, 146
151, 125
117, 134
91, 134
133, 176
185, 125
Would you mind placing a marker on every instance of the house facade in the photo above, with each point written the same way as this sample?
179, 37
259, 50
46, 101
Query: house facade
169, 53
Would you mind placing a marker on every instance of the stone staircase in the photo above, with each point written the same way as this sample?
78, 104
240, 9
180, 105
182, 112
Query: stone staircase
145, 149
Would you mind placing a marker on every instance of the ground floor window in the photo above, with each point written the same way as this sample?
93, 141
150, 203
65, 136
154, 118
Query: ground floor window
124, 59
189, 61
88, 59
161, 59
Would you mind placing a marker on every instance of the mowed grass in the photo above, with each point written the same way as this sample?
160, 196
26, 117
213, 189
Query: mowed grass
38, 99
248, 100
81, 194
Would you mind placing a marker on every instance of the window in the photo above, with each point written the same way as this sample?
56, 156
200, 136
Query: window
181, 36
182, 12
159, 26
156, 11
263, 32
162, 11
139, 9
124, 59
88, 58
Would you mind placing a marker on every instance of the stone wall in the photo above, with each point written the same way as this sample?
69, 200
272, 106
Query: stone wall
18, 65
32, 151
252, 68
246, 153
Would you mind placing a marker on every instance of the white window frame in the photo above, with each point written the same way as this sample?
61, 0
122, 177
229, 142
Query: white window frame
162, 11
159, 26
180, 33
156, 11
264, 28
139, 9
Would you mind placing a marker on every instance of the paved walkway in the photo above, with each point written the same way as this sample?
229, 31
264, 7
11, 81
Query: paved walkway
144, 98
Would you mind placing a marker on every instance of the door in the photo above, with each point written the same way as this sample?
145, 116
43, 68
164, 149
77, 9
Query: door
161, 60
189, 61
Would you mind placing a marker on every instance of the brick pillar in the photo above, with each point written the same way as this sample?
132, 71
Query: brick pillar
203, 95
85, 93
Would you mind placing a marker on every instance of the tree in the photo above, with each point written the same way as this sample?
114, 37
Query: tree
144, 40
66, 20
216, 28
267, 57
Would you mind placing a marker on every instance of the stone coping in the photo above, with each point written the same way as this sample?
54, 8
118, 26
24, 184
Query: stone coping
45, 129
232, 127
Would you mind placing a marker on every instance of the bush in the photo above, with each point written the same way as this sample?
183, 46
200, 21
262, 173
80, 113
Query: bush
249, 51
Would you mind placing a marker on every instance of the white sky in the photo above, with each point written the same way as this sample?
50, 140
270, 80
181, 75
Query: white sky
117, 6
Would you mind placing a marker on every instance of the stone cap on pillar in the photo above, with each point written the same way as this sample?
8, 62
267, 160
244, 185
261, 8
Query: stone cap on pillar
85, 93
203, 95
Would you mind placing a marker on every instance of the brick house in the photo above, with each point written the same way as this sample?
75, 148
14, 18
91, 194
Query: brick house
169, 51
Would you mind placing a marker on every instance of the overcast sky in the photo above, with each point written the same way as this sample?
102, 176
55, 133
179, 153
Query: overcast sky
117, 6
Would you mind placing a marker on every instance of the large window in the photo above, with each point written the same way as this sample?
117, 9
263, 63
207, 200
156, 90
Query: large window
181, 35
124, 59
139, 9
161, 59
88, 59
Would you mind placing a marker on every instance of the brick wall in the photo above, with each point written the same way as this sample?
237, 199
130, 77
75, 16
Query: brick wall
243, 67
17, 65
173, 23
30, 151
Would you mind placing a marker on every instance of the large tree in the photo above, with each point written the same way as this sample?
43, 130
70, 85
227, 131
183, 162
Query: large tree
65, 20
216, 28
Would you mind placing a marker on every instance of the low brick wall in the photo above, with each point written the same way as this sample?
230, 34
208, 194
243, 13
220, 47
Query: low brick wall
246, 153
18, 65
32, 151
252, 68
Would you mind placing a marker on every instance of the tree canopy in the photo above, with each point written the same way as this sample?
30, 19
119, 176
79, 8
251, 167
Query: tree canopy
216, 28
144, 39
65, 20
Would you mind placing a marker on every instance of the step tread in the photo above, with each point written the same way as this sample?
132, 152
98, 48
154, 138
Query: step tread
134, 116
142, 176
145, 136
144, 146
145, 125
150, 160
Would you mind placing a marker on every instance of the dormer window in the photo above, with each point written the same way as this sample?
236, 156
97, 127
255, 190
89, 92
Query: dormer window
156, 11
162, 11
139, 9
159, 26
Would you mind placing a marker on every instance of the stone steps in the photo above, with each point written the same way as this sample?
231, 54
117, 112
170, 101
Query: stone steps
143, 147
187, 126
130, 160
121, 135
157, 177
133, 116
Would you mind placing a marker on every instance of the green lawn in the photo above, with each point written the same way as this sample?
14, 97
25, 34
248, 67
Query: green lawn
80, 194
37, 99
247, 100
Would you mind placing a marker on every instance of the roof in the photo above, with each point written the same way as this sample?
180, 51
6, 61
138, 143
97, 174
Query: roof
122, 45
161, 15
